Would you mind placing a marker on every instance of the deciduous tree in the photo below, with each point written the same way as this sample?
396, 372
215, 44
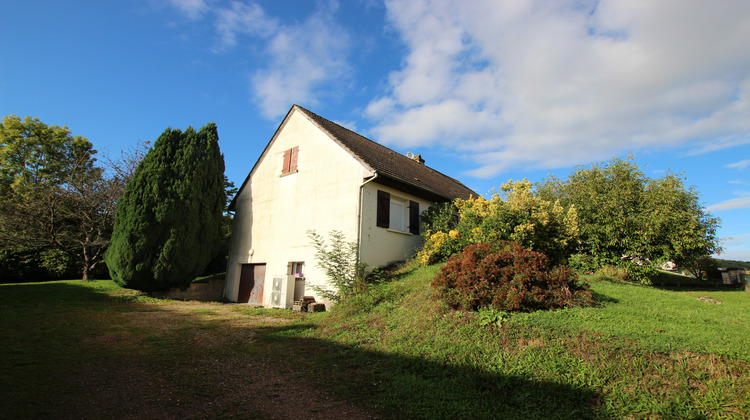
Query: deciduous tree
51, 193
625, 214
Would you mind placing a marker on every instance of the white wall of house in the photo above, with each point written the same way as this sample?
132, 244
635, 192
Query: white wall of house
274, 212
382, 246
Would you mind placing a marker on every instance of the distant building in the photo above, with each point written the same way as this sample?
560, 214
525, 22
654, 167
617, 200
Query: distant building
732, 275
669, 266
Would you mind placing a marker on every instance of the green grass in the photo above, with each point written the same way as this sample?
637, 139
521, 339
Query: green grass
642, 352
659, 320
72, 348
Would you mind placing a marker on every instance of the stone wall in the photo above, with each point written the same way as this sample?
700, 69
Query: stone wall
210, 290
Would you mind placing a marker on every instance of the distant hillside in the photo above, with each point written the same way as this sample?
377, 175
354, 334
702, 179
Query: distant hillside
733, 263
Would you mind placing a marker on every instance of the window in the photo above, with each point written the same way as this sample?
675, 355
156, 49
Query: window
296, 268
397, 214
290, 161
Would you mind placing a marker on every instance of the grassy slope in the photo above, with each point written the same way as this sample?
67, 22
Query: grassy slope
643, 352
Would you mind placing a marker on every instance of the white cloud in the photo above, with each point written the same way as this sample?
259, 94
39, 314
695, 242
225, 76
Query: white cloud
735, 254
740, 165
734, 203
192, 8
242, 18
738, 240
351, 125
736, 248
302, 61
305, 62
553, 83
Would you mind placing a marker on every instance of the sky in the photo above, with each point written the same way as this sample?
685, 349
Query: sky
485, 91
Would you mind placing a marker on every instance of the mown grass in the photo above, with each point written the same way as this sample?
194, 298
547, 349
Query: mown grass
75, 349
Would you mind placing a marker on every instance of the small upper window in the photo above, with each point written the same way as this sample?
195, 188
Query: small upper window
290, 161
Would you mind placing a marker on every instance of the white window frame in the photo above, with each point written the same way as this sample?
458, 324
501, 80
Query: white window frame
398, 214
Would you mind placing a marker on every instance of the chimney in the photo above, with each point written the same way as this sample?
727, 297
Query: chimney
419, 159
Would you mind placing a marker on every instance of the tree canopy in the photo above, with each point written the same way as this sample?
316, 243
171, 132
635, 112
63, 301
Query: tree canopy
168, 224
33, 154
606, 214
625, 215
52, 196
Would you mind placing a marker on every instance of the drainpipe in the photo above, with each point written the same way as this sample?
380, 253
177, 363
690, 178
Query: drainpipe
229, 258
359, 214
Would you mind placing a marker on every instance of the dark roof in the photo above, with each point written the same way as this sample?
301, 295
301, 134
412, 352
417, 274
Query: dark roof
393, 169
399, 170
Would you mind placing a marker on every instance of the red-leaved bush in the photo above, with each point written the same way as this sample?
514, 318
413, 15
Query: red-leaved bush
507, 277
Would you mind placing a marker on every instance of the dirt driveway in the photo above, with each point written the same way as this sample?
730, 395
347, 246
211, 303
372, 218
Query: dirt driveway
195, 360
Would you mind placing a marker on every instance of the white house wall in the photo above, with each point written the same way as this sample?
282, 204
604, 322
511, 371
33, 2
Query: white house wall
381, 246
275, 212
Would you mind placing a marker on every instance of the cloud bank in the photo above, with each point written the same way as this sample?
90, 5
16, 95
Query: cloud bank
546, 84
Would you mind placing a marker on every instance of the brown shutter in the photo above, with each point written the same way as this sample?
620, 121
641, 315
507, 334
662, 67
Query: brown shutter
287, 161
384, 209
414, 217
293, 159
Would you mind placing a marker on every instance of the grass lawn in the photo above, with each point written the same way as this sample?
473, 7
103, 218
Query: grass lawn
90, 349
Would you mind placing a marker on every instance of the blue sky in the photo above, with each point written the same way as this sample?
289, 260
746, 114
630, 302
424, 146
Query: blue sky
485, 91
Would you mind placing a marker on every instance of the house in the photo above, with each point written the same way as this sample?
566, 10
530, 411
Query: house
732, 275
315, 175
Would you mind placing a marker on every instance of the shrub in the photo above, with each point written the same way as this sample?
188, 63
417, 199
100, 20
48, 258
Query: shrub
613, 272
631, 272
438, 246
340, 262
515, 215
507, 277
584, 263
489, 316
440, 217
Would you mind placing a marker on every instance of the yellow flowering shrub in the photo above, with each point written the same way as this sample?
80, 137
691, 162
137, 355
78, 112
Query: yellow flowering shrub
514, 214
438, 246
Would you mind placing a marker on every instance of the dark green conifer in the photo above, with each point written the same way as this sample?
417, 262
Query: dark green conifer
168, 223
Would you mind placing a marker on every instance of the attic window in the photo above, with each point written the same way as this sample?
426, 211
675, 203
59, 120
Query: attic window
290, 161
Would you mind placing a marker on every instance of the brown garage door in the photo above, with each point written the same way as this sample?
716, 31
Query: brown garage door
252, 278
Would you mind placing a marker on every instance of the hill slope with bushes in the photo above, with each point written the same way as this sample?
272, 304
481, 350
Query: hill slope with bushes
417, 358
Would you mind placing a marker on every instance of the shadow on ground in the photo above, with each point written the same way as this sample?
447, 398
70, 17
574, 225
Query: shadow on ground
72, 352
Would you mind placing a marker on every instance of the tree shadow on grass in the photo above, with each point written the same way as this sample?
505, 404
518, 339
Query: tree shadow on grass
702, 288
601, 298
410, 387
100, 361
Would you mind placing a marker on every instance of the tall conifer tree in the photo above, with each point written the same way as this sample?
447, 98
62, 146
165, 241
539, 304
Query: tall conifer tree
168, 223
